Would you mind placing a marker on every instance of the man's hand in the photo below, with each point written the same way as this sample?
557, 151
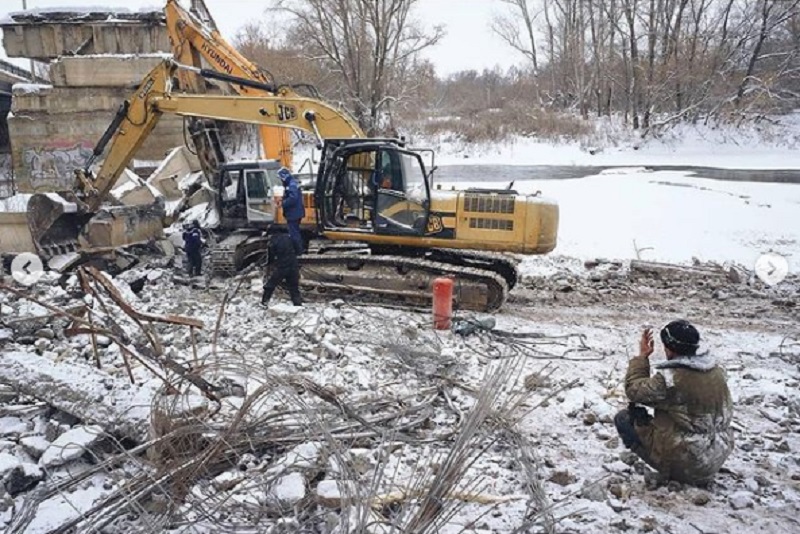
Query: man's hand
646, 344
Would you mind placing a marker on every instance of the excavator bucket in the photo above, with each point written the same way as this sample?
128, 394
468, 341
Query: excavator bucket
59, 224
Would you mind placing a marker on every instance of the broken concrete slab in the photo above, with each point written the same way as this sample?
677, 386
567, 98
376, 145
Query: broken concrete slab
89, 394
103, 70
59, 100
201, 196
120, 226
71, 445
44, 40
166, 178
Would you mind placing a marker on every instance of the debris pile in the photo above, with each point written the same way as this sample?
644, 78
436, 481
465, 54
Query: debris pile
130, 402
725, 287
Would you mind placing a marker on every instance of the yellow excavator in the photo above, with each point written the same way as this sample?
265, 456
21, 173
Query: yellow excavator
375, 192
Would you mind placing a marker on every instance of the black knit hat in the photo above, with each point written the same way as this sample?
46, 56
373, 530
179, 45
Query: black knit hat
681, 337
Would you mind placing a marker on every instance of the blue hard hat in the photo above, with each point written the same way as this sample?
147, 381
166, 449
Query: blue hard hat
284, 174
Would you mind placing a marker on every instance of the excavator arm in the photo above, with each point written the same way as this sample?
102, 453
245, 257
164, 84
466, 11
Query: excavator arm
58, 222
193, 41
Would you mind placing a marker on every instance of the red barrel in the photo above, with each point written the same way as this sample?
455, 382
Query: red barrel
442, 303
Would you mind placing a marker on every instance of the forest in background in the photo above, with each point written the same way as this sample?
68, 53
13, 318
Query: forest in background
651, 63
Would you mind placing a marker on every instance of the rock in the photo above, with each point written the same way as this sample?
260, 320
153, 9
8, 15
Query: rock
23, 478
620, 491
329, 494
8, 462
562, 478
285, 309
167, 246
71, 445
6, 334
63, 418
330, 315
593, 491
34, 446
227, 480
288, 490
53, 429
45, 333
746, 446
362, 460
700, 498
573, 401
304, 456
41, 345
12, 426
751, 485
589, 419
734, 275
741, 499
762, 481
628, 457
783, 446
103, 341
720, 295
8, 395
653, 480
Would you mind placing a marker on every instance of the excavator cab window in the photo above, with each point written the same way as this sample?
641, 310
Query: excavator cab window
374, 188
232, 196
259, 184
402, 208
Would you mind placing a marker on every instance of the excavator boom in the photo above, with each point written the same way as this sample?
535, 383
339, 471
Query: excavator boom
194, 40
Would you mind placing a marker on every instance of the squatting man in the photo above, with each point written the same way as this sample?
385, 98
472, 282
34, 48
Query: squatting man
689, 435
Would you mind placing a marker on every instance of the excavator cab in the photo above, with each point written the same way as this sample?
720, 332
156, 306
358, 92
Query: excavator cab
246, 193
374, 186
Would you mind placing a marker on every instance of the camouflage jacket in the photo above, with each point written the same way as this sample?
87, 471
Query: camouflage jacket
689, 437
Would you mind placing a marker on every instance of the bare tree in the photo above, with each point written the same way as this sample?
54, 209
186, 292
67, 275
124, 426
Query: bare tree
517, 28
371, 46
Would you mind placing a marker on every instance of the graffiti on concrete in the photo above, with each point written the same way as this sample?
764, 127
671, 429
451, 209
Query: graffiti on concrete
53, 167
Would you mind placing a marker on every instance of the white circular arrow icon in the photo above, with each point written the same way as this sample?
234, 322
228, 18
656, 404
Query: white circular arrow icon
772, 268
27, 269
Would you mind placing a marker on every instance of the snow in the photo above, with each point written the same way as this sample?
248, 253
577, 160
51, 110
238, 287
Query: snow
30, 88
670, 216
79, 11
8, 462
730, 147
71, 445
154, 55
288, 489
61, 508
204, 213
15, 204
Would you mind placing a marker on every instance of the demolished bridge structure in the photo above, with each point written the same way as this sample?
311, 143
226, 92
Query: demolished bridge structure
93, 60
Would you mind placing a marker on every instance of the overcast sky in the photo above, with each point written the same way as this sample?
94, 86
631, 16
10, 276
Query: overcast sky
469, 43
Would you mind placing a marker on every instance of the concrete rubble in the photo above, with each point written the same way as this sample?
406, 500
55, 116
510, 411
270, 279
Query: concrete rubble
309, 437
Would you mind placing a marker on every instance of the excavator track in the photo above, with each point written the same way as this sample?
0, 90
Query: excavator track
489, 261
235, 252
399, 279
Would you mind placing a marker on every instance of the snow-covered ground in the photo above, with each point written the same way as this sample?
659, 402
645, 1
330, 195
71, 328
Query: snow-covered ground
671, 216
748, 146
568, 385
